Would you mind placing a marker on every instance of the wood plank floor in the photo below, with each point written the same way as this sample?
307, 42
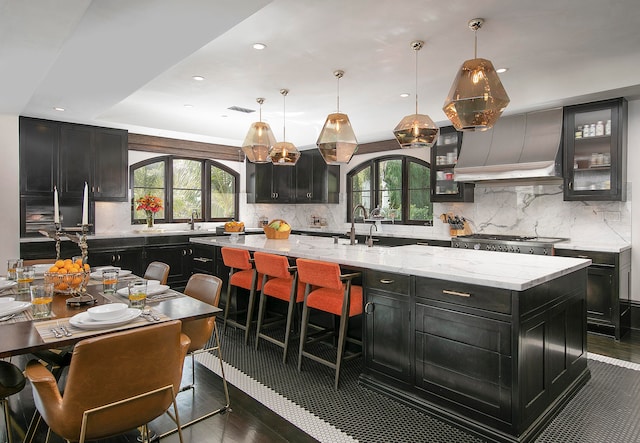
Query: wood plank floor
248, 420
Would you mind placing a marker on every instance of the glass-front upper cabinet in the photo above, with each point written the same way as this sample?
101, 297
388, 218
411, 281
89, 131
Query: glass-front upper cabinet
595, 151
444, 157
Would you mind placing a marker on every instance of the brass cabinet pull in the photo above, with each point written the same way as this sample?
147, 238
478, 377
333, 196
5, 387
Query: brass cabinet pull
386, 281
202, 259
456, 293
584, 256
369, 307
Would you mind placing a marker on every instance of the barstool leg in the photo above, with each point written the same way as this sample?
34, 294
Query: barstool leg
227, 306
261, 307
303, 332
252, 297
7, 422
342, 338
290, 310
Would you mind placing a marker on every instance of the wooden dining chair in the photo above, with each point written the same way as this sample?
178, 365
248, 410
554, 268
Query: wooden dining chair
157, 270
117, 382
328, 290
11, 382
280, 281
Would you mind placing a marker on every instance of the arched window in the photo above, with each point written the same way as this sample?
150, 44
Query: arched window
186, 185
398, 185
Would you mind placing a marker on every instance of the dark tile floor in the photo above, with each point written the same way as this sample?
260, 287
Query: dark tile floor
249, 420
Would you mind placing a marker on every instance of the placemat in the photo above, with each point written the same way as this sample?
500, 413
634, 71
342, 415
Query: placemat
25, 315
166, 295
45, 327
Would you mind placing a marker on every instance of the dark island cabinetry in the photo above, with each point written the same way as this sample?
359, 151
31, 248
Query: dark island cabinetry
498, 362
387, 324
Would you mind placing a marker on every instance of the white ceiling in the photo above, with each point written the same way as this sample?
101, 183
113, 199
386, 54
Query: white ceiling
129, 64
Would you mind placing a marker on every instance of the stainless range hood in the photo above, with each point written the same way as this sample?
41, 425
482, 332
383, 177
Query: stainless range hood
522, 146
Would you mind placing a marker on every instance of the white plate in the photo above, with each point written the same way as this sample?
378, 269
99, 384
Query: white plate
4, 283
97, 275
13, 307
151, 290
83, 321
4, 300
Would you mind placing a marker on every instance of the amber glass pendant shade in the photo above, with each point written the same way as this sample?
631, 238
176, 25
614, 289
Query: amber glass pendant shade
416, 130
477, 98
284, 153
337, 142
259, 140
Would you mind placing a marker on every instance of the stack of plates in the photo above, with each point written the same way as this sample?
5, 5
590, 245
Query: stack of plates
152, 289
83, 321
9, 306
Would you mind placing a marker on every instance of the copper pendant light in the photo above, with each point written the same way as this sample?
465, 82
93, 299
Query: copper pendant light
284, 153
259, 140
337, 143
416, 130
477, 98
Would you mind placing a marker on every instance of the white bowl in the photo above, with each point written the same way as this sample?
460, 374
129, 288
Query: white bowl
107, 312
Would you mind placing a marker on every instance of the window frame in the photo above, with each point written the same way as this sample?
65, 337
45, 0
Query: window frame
205, 188
374, 198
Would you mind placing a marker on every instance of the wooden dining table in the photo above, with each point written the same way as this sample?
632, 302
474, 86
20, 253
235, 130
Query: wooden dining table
23, 337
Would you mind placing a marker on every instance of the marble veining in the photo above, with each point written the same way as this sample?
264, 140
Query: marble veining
495, 269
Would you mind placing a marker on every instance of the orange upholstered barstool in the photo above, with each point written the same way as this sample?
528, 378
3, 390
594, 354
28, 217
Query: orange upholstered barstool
242, 274
328, 290
280, 281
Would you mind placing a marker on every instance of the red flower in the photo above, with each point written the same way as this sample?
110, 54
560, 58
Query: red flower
149, 203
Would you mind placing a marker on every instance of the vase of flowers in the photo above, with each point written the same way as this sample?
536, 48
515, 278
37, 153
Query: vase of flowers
150, 204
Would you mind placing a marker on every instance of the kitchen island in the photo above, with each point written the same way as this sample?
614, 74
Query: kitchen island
489, 341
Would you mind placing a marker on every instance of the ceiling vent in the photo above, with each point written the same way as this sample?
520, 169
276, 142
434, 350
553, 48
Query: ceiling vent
239, 109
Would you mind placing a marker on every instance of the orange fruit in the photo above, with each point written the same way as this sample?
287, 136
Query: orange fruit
76, 281
59, 264
62, 286
53, 269
62, 271
87, 267
79, 262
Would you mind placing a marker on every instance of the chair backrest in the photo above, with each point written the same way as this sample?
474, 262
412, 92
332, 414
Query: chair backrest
205, 288
272, 265
236, 258
114, 367
157, 271
319, 273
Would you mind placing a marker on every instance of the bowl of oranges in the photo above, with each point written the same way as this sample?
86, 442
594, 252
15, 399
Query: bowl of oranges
68, 276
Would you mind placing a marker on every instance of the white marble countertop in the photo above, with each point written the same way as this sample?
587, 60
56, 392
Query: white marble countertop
495, 269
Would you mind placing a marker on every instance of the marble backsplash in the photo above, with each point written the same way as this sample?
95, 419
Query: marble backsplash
522, 210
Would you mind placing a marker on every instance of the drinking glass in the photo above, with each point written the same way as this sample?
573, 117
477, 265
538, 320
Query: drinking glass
137, 294
41, 300
25, 276
12, 264
109, 280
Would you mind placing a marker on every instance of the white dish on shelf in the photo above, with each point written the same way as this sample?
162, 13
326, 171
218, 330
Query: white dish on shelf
151, 290
97, 274
83, 321
13, 307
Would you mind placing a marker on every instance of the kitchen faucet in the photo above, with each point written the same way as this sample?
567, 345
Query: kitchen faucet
192, 222
370, 239
352, 232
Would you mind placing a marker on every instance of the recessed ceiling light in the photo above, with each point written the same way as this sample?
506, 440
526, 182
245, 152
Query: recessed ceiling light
501, 70
404, 95
198, 78
259, 46
188, 106
58, 108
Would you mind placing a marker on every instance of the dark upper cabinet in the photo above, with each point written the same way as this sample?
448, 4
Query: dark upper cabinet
111, 157
595, 151
269, 184
76, 158
444, 156
38, 155
311, 180
67, 155
316, 182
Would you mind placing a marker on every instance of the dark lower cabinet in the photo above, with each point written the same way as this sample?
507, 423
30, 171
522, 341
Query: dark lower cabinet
179, 259
203, 260
608, 290
130, 259
387, 324
497, 362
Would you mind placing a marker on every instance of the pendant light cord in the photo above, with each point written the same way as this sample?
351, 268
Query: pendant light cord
338, 94
475, 44
284, 116
416, 81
